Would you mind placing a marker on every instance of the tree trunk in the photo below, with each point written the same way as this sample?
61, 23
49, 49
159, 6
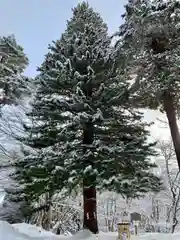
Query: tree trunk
47, 218
90, 209
171, 116
175, 223
89, 190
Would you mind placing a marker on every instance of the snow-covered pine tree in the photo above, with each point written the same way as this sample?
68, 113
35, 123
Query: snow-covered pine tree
13, 62
13, 87
149, 41
84, 132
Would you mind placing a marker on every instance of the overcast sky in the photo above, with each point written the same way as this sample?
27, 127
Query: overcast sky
36, 23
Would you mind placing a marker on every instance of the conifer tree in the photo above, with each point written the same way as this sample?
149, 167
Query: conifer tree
84, 132
13, 87
149, 41
13, 61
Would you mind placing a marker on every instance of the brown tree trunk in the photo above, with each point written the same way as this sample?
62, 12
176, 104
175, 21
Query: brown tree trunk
89, 190
90, 209
171, 116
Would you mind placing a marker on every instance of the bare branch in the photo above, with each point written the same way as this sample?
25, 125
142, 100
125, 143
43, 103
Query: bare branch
173, 176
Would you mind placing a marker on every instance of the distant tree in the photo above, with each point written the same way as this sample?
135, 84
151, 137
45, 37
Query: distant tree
149, 42
84, 131
14, 86
171, 177
13, 61
12, 208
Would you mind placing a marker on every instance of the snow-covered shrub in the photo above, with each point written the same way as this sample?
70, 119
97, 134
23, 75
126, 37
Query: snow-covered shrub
61, 216
160, 227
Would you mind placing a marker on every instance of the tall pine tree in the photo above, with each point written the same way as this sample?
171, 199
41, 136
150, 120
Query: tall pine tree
84, 132
150, 40
13, 61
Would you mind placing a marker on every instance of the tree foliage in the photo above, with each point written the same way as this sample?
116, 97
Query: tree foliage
80, 91
149, 41
150, 38
13, 62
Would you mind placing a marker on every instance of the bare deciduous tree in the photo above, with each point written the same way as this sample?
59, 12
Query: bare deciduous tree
171, 176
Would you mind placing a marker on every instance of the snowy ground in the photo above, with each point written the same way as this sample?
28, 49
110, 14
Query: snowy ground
29, 232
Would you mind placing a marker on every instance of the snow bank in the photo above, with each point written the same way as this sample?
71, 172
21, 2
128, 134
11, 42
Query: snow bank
25, 231
113, 236
32, 230
145, 236
159, 236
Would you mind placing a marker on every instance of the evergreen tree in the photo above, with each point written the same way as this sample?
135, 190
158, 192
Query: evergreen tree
149, 41
13, 87
13, 62
84, 132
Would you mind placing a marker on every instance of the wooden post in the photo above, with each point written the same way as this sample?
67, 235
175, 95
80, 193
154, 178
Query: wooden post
136, 224
135, 228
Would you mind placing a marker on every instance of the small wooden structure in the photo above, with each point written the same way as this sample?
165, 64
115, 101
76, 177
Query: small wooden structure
124, 231
135, 216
